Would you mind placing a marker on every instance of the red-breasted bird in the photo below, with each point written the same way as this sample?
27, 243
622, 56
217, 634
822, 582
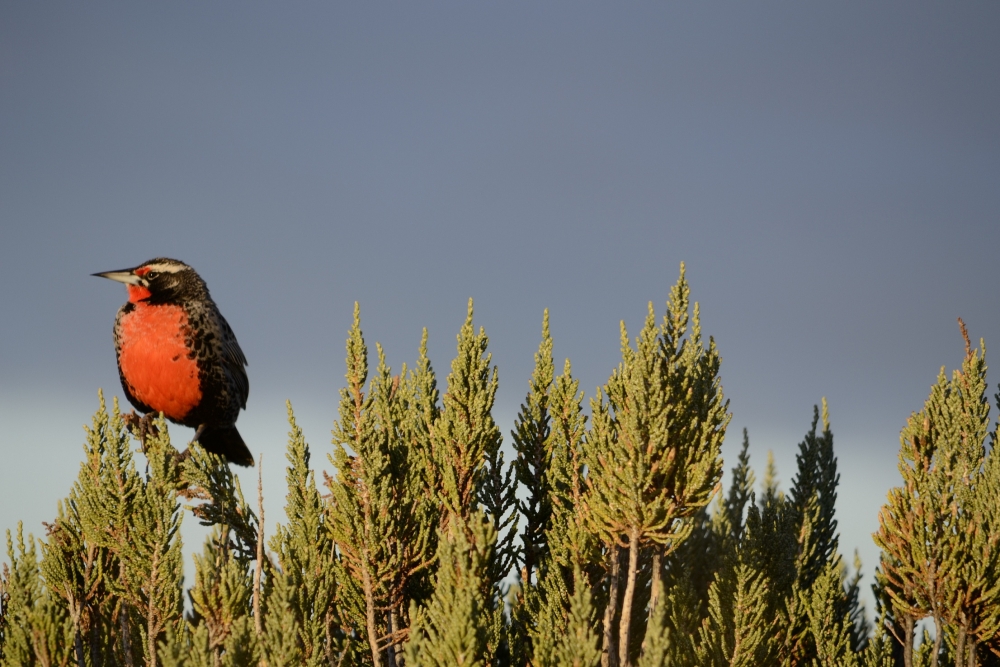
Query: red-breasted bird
177, 354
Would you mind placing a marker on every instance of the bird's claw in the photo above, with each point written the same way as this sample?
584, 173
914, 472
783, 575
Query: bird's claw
141, 427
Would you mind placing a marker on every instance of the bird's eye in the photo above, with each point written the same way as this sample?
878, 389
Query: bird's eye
151, 275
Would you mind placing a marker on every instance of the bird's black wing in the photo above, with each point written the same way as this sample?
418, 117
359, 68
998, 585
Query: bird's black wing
234, 361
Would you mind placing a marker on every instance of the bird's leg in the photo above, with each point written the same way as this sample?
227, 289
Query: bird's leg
141, 427
148, 426
197, 438
131, 421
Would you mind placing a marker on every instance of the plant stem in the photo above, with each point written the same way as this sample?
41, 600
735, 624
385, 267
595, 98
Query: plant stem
625, 625
370, 614
608, 657
257, 621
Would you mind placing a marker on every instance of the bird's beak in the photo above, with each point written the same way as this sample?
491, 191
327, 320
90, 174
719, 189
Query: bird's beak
126, 276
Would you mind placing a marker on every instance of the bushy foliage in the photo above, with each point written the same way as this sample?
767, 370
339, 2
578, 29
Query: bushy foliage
605, 541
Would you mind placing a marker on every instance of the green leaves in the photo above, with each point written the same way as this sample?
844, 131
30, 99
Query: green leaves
564, 635
831, 631
453, 628
37, 630
736, 632
383, 515
114, 555
940, 548
653, 449
465, 437
652, 453
301, 616
409, 559
531, 442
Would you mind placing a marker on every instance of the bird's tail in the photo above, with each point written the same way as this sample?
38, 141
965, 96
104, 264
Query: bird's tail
225, 440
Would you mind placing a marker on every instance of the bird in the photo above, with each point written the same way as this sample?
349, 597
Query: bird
178, 356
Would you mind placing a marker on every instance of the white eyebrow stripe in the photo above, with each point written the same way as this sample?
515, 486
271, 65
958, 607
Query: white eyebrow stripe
165, 268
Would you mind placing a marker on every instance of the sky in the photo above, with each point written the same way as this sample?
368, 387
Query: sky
829, 172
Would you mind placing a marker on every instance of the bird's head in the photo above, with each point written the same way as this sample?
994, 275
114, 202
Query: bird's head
160, 280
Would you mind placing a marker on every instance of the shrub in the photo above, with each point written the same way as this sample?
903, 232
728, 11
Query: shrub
417, 554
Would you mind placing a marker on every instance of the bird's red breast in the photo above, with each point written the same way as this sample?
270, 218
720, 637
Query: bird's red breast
154, 359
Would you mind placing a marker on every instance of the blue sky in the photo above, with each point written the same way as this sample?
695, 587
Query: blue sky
830, 173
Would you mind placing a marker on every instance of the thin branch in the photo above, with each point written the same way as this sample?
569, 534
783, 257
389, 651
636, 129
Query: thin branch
257, 621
